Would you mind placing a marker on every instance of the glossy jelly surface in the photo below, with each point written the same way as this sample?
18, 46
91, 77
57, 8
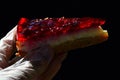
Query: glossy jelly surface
40, 29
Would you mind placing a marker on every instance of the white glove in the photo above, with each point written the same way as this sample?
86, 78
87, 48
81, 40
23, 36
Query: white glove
42, 65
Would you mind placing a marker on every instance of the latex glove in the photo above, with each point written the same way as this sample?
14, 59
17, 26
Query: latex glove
42, 65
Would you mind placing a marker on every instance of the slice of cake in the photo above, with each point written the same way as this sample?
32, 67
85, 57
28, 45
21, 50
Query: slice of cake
62, 34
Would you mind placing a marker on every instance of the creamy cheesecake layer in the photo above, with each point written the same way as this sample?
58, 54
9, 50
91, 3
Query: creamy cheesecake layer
65, 43
80, 39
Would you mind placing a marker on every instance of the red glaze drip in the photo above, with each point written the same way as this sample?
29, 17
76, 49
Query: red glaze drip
38, 29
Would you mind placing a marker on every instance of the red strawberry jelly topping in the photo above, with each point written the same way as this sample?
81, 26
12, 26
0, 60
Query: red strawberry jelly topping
39, 29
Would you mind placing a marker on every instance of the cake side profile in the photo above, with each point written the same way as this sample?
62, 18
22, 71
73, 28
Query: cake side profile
62, 34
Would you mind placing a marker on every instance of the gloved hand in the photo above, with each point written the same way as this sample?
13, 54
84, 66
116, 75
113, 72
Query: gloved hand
42, 65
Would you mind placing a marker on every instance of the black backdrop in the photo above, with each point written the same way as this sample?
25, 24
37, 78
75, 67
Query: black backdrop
94, 62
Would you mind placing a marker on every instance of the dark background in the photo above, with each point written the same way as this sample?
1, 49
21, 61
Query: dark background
94, 62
